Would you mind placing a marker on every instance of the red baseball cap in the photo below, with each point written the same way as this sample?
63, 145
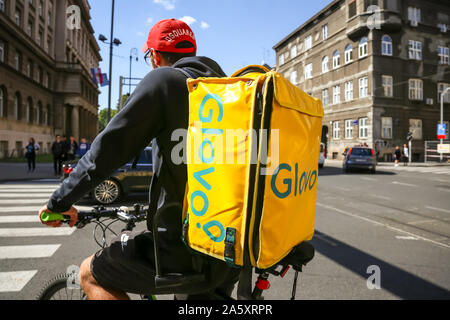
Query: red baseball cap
166, 34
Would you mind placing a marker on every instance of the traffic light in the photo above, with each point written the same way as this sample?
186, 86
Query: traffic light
409, 137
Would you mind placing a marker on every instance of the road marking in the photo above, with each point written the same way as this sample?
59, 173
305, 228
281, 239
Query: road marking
33, 208
36, 232
404, 184
33, 251
421, 221
440, 180
19, 219
47, 180
27, 186
15, 281
443, 189
382, 224
368, 179
25, 195
406, 238
49, 190
380, 197
438, 209
325, 238
23, 201
341, 188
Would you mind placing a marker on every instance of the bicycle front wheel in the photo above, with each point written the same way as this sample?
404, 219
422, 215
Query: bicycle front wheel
62, 287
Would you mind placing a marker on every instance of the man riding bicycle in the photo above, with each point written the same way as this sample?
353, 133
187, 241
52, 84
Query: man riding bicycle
157, 107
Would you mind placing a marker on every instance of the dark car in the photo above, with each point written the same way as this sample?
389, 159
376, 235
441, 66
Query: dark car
360, 158
135, 176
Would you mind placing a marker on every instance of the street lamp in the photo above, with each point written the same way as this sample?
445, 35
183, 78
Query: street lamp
133, 53
443, 93
115, 42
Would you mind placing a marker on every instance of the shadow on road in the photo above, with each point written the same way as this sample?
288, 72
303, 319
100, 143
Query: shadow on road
393, 279
128, 200
332, 171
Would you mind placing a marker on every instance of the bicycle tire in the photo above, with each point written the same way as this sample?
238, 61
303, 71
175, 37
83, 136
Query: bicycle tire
57, 284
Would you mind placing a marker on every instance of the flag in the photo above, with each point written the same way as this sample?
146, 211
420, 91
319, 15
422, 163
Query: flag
105, 80
97, 75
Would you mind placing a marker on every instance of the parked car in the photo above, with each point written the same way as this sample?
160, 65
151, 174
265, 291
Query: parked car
359, 158
135, 176
322, 155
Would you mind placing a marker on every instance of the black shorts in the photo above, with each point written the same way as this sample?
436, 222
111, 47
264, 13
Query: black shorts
128, 265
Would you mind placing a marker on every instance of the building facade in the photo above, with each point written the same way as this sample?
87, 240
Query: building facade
378, 66
45, 83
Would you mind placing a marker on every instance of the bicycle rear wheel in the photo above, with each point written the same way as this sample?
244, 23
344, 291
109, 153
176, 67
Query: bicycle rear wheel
62, 287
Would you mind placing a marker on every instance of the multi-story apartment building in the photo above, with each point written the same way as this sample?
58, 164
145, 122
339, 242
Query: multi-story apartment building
378, 67
45, 83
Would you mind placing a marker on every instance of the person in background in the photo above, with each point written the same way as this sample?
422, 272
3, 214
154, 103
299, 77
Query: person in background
65, 145
31, 155
397, 155
72, 149
58, 148
405, 155
83, 148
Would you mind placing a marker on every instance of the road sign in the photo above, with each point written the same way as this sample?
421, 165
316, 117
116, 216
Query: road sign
355, 122
441, 130
443, 148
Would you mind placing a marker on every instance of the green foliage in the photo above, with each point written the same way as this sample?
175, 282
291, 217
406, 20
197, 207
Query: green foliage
103, 118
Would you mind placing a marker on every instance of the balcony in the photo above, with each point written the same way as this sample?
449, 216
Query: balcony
360, 25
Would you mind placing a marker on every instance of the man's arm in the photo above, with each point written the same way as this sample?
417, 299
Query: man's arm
126, 135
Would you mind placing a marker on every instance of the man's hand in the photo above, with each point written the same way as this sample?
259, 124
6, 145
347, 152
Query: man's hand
72, 213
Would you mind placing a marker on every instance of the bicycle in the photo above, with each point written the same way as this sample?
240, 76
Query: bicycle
299, 257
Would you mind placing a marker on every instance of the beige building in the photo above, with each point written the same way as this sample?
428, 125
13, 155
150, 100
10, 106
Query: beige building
45, 80
378, 66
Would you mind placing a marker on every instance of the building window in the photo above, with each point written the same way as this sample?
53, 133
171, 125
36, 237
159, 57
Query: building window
2, 5
293, 77
18, 61
18, 17
336, 59
29, 110
441, 88
415, 50
415, 89
442, 27
325, 64
281, 59
443, 53
386, 46
30, 69
17, 104
293, 52
349, 91
336, 130
336, 94
348, 53
2, 102
39, 113
41, 8
363, 128
325, 32
308, 71
49, 19
2, 51
325, 100
352, 9
363, 87
40, 38
40, 75
414, 16
386, 127
348, 129
308, 42
415, 126
387, 86
363, 47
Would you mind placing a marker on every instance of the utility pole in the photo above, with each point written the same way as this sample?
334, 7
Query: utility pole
110, 61
442, 115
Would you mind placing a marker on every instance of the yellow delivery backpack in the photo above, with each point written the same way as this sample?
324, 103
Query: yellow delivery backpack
253, 144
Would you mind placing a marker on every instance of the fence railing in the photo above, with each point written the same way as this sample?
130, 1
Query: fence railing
431, 154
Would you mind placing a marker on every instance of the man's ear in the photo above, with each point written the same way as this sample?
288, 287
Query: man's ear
158, 58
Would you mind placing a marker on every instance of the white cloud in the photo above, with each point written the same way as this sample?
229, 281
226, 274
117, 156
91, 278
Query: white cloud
167, 4
204, 25
188, 20
149, 20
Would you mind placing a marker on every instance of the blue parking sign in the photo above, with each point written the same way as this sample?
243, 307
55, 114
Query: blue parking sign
441, 131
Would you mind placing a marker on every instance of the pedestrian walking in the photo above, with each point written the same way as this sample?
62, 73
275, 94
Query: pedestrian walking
83, 148
31, 155
397, 155
72, 148
405, 155
58, 149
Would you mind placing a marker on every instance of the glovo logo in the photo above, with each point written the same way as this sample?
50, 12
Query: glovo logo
202, 194
303, 182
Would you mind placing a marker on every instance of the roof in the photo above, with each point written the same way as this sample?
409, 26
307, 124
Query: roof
309, 21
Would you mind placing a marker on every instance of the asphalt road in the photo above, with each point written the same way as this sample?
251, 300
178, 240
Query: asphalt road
395, 222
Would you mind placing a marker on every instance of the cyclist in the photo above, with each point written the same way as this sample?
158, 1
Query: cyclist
157, 107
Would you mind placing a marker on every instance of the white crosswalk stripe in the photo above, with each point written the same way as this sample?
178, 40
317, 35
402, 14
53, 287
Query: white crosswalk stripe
441, 170
19, 204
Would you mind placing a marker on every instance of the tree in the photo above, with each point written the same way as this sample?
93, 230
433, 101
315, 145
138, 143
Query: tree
103, 118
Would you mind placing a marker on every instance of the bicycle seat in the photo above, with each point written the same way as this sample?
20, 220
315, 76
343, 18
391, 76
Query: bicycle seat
300, 255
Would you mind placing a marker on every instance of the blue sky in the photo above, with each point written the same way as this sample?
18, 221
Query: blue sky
235, 33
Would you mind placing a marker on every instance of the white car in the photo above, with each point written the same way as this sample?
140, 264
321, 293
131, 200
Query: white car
321, 155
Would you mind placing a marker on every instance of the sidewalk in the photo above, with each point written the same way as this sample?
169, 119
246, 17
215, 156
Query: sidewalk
19, 171
391, 164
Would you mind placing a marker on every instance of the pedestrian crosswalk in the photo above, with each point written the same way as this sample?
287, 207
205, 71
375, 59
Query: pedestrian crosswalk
442, 170
20, 227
